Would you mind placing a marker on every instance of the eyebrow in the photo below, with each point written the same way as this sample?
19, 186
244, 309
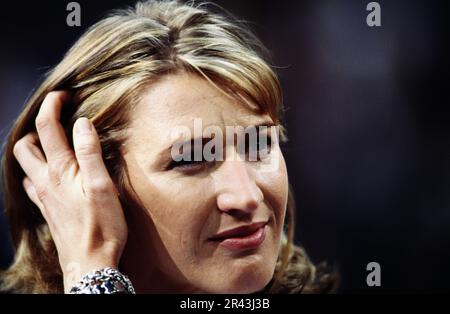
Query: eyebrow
165, 156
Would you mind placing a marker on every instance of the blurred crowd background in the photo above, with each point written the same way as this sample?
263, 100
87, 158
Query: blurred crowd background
367, 118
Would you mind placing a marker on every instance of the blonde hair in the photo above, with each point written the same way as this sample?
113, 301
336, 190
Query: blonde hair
106, 71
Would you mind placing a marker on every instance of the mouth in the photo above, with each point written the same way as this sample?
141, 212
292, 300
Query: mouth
243, 237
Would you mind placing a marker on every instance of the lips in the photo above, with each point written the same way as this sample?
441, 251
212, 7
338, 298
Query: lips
243, 237
241, 231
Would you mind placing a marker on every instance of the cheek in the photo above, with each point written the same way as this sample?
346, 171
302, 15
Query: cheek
274, 184
177, 210
172, 216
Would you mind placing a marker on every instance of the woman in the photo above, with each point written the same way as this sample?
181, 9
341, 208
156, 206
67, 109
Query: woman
92, 186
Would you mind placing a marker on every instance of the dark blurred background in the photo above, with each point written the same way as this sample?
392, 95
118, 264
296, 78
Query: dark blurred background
367, 118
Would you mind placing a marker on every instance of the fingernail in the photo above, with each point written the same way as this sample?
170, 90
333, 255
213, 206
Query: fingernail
83, 125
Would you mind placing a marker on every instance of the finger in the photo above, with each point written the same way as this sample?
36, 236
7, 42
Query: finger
32, 194
33, 139
30, 157
51, 133
88, 152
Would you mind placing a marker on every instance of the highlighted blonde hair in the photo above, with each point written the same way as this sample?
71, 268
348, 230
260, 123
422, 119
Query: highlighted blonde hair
106, 71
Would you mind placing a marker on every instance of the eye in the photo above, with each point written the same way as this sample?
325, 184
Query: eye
264, 146
188, 163
259, 149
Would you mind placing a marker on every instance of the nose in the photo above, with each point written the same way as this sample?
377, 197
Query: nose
237, 191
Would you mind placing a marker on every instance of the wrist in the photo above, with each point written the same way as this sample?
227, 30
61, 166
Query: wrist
74, 270
103, 281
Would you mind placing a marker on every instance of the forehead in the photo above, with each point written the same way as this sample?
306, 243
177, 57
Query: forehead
178, 100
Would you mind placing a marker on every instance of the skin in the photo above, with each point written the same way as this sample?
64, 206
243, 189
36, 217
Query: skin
168, 247
74, 192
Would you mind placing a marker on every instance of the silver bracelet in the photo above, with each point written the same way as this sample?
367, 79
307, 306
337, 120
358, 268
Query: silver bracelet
103, 281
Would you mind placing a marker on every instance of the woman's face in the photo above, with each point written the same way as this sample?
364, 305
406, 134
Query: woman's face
188, 204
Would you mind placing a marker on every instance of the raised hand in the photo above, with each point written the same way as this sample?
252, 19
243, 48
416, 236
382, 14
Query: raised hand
73, 190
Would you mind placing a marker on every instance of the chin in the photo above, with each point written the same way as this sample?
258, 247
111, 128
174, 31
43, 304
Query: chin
244, 282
